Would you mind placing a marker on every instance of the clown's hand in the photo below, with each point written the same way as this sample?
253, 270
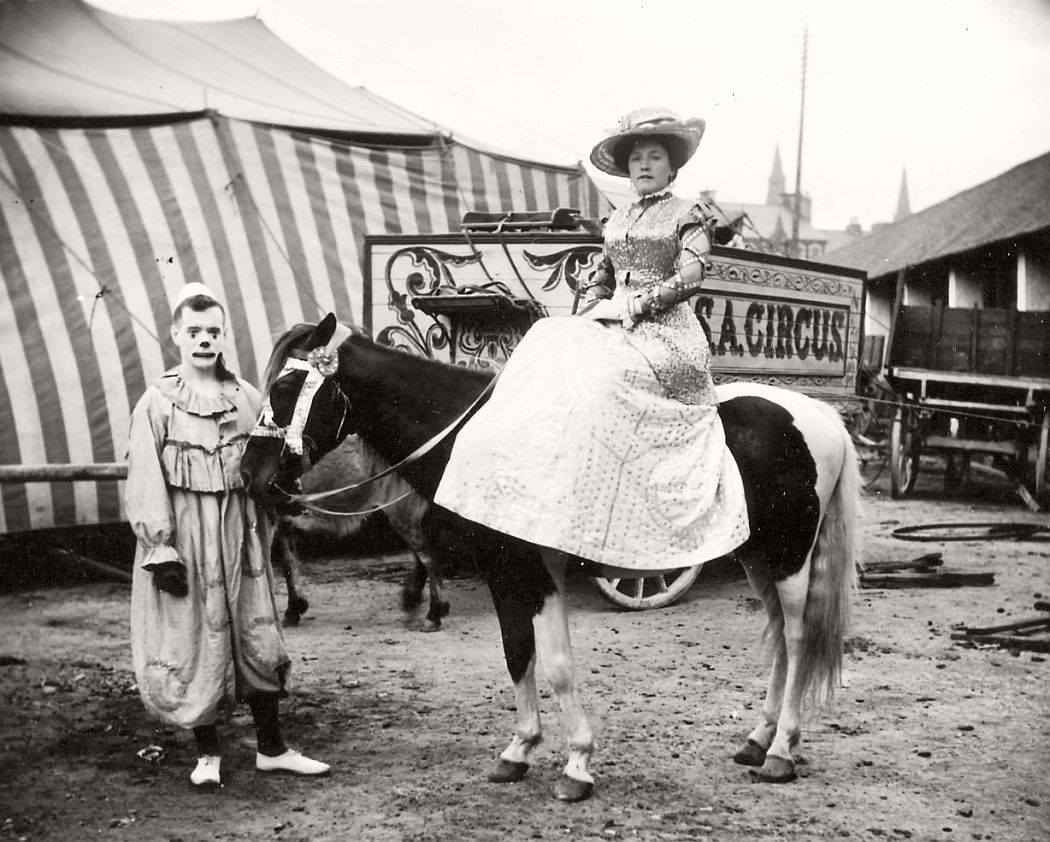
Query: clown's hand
170, 577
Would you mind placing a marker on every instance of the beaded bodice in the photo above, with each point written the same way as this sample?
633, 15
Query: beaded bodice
643, 241
642, 238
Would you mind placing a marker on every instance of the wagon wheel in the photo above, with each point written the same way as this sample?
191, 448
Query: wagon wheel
904, 453
644, 592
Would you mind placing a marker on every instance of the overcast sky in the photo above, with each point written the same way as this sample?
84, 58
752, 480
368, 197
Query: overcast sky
952, 91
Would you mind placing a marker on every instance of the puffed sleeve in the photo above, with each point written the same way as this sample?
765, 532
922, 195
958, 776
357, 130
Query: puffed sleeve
700, 214
146, 499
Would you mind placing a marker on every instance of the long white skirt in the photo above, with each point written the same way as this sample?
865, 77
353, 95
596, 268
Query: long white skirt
582, 449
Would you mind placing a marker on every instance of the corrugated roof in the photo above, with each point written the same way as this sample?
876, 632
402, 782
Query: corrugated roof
66, 59
1008, 206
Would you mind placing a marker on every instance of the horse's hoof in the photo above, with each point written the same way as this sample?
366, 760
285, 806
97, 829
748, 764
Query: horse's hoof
291, 619
508, 772
775, 770
750, 755
571, 790
430, 626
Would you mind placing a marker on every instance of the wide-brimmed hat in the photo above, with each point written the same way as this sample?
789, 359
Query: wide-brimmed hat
681, 137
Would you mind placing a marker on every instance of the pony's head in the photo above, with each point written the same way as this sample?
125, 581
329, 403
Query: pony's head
305, 411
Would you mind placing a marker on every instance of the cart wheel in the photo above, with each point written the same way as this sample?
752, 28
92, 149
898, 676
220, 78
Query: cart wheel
640, 594
904, 453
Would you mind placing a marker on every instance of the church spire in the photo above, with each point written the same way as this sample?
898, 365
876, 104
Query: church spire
903, 204
777, 188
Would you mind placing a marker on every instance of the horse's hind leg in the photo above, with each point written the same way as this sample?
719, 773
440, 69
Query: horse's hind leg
779, 765
283, 555
761, 737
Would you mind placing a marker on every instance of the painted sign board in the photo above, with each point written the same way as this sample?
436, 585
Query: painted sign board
468, 298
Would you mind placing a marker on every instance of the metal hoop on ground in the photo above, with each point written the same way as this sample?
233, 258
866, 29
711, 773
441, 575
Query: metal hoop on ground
969, 531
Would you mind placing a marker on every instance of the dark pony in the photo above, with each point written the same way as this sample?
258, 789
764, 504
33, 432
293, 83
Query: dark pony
801, 484
350, 462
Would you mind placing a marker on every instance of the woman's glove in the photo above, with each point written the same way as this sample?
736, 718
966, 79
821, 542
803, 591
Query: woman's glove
170, 577
602, 281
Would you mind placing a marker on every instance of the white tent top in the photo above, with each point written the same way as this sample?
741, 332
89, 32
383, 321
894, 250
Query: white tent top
66, 59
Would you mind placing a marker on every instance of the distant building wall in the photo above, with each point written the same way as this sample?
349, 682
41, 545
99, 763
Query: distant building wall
964, 288
1033, 281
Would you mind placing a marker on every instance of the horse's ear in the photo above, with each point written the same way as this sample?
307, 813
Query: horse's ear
323, 332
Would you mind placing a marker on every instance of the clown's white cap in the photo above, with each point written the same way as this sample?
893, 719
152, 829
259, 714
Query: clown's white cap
189, 291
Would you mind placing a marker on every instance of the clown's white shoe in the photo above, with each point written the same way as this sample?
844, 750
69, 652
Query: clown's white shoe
206, 773
291, 761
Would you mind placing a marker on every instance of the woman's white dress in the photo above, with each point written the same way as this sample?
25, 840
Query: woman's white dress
604, 441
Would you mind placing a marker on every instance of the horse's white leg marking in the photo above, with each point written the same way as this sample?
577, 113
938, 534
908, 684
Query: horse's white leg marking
792, 593
554, 649
765, 588
527, 733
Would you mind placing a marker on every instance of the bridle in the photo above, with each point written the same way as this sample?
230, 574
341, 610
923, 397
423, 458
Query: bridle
319, 368
320, 365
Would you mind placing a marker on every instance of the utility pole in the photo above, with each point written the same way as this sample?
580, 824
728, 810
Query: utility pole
798, 162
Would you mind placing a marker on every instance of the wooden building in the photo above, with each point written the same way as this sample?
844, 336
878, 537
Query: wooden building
987, 247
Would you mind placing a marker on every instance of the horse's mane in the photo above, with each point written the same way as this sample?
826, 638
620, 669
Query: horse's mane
284, 344
279, 354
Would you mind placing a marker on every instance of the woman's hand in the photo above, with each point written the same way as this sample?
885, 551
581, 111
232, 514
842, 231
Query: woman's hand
602, 281
605, 311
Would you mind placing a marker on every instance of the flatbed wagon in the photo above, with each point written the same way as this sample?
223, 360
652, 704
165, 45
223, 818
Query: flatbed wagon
468, 297
972, 382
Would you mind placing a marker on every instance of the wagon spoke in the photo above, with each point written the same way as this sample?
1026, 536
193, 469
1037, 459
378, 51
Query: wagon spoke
638, 593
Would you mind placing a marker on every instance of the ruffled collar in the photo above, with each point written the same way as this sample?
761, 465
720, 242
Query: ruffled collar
653, 198
186, 398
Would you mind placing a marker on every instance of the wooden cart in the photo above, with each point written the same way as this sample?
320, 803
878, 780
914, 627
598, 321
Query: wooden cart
972, 382
468, 297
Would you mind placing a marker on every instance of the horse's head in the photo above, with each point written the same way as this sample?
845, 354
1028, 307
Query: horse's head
305, 412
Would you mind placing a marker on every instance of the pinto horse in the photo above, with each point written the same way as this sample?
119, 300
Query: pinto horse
801, 483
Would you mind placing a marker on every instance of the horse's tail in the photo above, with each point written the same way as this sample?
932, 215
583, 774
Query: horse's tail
833, 578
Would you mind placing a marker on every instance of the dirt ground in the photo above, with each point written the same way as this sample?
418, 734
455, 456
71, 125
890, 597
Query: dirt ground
929, 739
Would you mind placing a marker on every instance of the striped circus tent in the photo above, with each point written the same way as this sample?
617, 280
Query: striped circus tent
101, 227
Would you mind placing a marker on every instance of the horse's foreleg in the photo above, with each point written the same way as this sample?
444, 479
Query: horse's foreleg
407, 520
424, 572
779, 765
412, 587
284, 556
514, 759
551, 626
439, 606
513, 600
